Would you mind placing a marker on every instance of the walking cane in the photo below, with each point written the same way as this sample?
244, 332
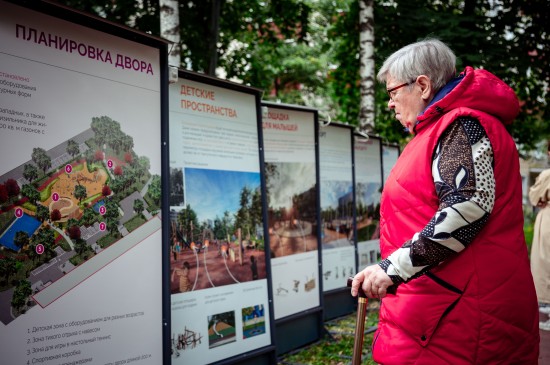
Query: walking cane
359, 325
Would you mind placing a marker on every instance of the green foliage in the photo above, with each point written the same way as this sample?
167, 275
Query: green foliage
508, 40
80, 192
154, 192
107, 240
30, 192
188, 223
6, 219
307, 51
41, 159
30, 172
140, 14
42, 212
135, 222
72, 148
20, 294
343, 80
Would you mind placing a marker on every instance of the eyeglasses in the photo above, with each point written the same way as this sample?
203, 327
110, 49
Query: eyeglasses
391, 92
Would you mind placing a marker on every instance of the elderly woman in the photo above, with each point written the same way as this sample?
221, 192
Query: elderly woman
452, 242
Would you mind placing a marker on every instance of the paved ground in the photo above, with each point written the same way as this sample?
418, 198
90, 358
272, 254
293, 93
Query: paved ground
544, 357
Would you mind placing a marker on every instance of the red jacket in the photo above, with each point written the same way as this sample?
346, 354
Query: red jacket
480, 306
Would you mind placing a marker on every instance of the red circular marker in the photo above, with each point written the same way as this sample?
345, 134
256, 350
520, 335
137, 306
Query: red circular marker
110, 164
102, 226
68, 168
40, 249
18, 212
55, 197
102, 210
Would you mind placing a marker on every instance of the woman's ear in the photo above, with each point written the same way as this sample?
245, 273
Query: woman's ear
425, 87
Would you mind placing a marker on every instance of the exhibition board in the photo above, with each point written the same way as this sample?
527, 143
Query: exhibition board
368, 189
390, 154
80, 228
291, 173
337, 209
337, 204
292, 195
219, 263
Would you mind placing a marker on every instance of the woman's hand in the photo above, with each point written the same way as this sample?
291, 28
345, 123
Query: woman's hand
373, 280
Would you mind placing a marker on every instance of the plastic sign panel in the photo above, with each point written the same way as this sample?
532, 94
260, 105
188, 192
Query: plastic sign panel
291, 183
390, 153
219, 288
80, 168
336, 176
368, 188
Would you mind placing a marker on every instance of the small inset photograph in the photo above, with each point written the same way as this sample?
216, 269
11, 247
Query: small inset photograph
221, 329
253, 321
176, 187
186, 340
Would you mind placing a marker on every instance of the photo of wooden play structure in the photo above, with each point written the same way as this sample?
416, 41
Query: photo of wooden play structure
187, 340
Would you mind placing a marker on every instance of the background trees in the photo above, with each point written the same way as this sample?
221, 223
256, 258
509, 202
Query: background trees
506, 37
307, 51
188, 224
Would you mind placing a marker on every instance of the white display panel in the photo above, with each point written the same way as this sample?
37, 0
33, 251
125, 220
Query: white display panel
219, 289
389, 158
336, 176
80, 116
290, 164
368, 189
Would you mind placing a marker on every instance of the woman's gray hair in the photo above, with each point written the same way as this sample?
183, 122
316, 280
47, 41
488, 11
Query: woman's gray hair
429, 57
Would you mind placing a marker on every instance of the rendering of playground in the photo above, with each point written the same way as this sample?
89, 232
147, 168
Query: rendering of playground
211, 263
368, 211
225, 246
291, 236
63, 207
336, 213
292, 214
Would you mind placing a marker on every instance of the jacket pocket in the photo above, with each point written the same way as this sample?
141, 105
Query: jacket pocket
419, 306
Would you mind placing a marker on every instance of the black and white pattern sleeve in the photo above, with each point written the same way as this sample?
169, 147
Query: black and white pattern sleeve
462, 169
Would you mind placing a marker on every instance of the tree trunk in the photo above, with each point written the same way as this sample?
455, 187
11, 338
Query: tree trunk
214, 31
366, 70
170, 29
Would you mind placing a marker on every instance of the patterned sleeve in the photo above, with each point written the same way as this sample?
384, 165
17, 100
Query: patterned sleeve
462, 169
